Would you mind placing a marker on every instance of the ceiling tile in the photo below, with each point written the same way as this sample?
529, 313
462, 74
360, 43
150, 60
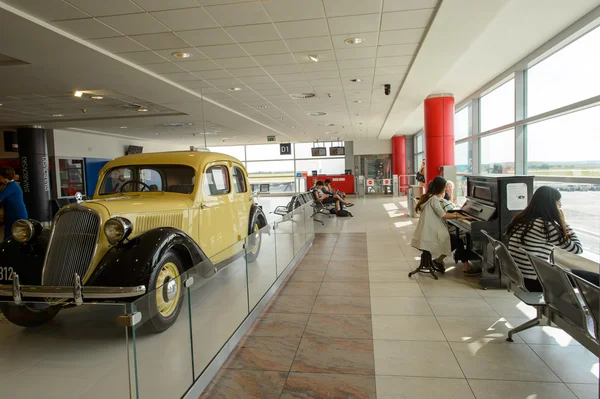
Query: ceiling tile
369, 40
406, 19
223, 51
357, 64
338, 8
238, 62
305, 28
264, 86
356, 53
283, 69
273, 92
196, 84
290, 77
397, 50
403, 36
359, 23
143, 57
394, 61
135, 24
239, 14
403, 5
206, 37
302, 86
309, 44
362, 73
159, 5
253, 33
250, 80
325, 82
277, 59
87, 28
266, 48
322, 75
319, 66
391, 70
226, 82
324, 55
167, 67
106, 7
118, 44
244, 72
160, 41
168, 54
292, 10
214, 74
202, 65
180, 76
48, 10
186, 19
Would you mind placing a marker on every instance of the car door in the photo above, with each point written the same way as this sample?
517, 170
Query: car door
241, 198
217, 215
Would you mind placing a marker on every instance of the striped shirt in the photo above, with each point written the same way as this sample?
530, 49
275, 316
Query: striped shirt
447, 205
536, 243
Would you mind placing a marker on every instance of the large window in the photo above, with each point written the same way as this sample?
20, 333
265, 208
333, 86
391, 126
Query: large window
498, 107
325, 166
497, 153
568, 76
303, 150
562, 146
279, 175
461, 124
71, 177
265, 152
238, 151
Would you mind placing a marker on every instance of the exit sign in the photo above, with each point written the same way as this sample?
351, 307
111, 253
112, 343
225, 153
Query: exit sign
270, 138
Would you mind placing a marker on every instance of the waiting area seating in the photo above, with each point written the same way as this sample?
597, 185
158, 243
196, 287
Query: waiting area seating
568, 301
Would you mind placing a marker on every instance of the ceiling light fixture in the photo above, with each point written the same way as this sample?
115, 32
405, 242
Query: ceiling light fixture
235, 89
97, 98
356, 80
354, 40
57, 115
180, 54
122, 127
358, 114
263, 106
357, 101
313, 57
142, 109
78, 93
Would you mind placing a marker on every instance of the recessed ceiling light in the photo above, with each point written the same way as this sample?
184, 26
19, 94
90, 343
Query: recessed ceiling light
280, 119
313, 57
97, 98
122, 127
320, 113
354, 40
358, 114
0, 105
357, 101
158, 134
180, 54
360, 123
57, 115
142, 109
293, 127
235, 89
78, 94
356, 80
263, 106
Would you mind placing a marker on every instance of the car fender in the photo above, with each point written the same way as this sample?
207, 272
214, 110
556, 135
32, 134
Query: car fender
131, 263
256, 213
27, 260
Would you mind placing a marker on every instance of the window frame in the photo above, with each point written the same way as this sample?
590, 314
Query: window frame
235, 167
226, 175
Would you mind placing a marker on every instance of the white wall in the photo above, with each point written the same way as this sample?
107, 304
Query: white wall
372, 147
85, 145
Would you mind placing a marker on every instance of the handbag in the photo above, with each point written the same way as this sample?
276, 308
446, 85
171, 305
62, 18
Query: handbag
420, 177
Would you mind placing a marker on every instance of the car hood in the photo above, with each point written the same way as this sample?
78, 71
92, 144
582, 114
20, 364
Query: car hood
121, 205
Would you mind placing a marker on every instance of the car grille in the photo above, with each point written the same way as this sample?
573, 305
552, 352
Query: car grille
72, 245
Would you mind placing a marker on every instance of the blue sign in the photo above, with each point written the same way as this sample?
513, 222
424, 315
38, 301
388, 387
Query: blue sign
298, 175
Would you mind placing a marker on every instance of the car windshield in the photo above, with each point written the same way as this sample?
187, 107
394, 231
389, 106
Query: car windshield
149, 178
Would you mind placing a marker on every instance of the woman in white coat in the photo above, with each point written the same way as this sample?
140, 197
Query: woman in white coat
432, 233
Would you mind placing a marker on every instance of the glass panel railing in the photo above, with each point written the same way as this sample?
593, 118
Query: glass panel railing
309, 222
299, 229
284, 241
261, 259
79, 352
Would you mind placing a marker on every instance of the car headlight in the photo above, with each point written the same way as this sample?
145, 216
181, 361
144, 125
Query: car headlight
117, 229
25, 230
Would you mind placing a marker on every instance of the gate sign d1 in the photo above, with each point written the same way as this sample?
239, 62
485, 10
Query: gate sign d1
285, 149
370, 182
386, 182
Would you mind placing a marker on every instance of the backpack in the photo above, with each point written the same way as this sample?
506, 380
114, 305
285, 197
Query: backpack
344, 213
332, 211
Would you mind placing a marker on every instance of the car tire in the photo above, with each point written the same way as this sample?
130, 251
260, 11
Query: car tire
30, 315
166, 292
255, 242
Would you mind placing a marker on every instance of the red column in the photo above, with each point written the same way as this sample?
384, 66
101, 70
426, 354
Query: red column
399, 159
439, 133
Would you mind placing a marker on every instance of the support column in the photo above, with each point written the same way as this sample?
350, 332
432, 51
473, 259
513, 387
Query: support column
399, 160
438, 133
35, 183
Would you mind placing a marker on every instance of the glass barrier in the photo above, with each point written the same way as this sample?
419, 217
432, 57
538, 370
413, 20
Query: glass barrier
299, 229
284, 241
80, 352
261, 259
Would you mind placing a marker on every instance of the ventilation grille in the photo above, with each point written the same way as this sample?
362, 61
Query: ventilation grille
299, 96
149, 222
317, 113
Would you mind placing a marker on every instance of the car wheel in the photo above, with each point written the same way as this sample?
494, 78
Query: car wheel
254, 243
30, 315
167, 292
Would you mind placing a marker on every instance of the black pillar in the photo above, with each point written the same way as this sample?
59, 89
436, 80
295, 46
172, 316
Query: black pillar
35, 182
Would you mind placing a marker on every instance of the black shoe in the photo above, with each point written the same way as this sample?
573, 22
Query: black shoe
439, 266
472, 271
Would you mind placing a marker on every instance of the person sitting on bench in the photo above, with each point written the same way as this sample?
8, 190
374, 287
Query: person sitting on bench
538, 229
321, 187
325, 198
327, 189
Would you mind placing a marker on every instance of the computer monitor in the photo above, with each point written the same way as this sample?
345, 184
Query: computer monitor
333, 151
319, 151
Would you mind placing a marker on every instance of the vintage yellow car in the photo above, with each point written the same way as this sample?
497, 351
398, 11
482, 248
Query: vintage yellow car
152, 217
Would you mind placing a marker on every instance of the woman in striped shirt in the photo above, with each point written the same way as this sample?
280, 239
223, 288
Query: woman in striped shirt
537, 230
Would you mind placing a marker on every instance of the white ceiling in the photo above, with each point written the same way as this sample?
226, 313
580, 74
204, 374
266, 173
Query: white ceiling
123, 48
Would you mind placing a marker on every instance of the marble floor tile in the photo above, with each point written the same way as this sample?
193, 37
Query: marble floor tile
347, 275
471, 307
491, 329
543, 335
307, 288
308, 266
335, 265
339, 326
291, 304
449, 291
312, 385
415, 359
331, 355
585, 391
344, 288
396, 289
514, 362
245, 384
307, 276
391, 266
486, 389
511, 307
342, 305
407, 328
395, 387
572, 364
391, 276
403, 306
279, 325
263, 353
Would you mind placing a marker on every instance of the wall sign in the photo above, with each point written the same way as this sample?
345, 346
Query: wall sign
285, 149
386, 182
370, 182
270, 138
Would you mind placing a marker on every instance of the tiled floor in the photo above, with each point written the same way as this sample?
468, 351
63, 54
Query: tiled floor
349, 323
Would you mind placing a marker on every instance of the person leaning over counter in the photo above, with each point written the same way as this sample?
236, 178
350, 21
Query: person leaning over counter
12, 197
